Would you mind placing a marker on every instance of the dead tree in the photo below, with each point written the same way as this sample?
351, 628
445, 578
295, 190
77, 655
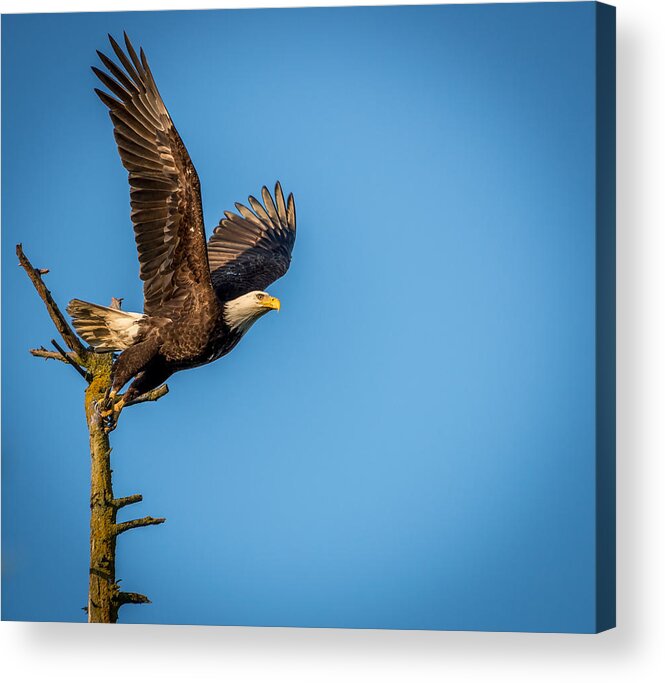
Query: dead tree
104, 595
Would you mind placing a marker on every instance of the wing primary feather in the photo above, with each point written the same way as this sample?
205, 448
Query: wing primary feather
109, 101
125, 133
148, 72
291, 212
248, 215
144, 113
112, 85
120, 113
133, 56
269, 204
124, 61
117, 72
260, 211
281, 208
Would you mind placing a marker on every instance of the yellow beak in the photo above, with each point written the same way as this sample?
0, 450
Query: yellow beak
272, 302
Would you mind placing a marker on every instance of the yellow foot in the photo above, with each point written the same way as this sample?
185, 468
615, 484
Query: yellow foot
110, 416
109, 400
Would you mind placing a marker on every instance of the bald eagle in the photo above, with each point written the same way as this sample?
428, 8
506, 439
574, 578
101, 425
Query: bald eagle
199, 299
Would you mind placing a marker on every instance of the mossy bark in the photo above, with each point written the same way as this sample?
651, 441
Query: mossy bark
103, 589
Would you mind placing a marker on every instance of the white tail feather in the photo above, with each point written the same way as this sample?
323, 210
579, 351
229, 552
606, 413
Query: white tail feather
104, 328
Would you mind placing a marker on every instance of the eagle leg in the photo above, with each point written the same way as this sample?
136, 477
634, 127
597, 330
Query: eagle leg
145, 381
153, 375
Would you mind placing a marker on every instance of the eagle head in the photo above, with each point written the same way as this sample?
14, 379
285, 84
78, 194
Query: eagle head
241, 313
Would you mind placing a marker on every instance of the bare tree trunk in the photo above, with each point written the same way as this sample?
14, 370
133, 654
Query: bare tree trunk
104, 595
102, 591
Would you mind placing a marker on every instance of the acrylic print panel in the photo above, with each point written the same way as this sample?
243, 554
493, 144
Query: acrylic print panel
423, 437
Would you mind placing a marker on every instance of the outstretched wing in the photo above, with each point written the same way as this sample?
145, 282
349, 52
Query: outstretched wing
249, 251
164, 188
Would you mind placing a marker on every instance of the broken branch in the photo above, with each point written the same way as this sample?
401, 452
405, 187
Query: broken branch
127, 500
135, 523
131, 599
49, 355
54, 312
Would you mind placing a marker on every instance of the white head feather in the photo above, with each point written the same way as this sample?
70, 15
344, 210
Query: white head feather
241, 313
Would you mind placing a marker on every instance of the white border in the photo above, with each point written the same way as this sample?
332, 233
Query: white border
634, 651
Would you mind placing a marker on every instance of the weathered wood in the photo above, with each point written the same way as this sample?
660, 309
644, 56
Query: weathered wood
127, 500
102, 589
47, 355
59, 320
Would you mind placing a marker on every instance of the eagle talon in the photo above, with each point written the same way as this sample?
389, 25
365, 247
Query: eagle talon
108, 402
110, 416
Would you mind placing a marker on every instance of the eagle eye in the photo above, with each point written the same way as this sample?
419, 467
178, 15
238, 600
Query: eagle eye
260, 296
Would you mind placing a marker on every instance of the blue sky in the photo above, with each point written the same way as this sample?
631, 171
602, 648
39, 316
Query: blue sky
410, 442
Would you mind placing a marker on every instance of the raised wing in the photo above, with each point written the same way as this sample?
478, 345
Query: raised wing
165, 194
249, 251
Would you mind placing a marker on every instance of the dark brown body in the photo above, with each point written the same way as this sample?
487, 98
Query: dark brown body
167, 345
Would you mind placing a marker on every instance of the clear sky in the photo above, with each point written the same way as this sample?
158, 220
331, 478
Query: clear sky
409, 443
